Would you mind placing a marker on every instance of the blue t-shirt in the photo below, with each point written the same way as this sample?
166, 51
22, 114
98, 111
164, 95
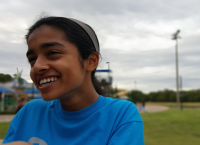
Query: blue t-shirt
106, 122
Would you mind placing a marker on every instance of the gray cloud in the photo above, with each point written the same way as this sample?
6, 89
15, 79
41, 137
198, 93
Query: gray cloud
135, 37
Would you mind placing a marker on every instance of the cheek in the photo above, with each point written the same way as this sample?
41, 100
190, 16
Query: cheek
68, 66
32, 74
72, 72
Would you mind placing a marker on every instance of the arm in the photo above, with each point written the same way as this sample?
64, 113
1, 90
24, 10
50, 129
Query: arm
129, 127
18, 143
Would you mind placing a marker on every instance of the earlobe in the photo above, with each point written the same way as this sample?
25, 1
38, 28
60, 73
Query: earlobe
93, 61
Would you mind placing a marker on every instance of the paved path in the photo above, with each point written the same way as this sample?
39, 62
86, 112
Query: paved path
6, 118
155, 108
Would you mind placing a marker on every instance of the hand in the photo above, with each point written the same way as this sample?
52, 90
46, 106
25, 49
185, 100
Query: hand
18, 143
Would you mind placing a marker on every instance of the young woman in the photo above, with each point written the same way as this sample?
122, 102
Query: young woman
63, 54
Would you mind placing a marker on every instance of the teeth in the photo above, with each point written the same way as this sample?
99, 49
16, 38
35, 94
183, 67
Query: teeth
46, 81
45, 84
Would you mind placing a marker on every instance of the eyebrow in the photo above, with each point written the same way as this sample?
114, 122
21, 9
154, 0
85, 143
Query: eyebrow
43, 46
50, 44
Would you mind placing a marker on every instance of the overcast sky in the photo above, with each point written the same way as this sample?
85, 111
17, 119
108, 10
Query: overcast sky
135, 37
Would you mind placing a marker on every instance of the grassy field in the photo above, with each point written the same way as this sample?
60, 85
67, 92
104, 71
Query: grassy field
185, 104
3, 129
172, 127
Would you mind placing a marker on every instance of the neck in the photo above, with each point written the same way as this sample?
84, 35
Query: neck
83, 97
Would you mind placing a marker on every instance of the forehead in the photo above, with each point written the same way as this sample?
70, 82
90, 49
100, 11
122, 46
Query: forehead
46, 37
46, 33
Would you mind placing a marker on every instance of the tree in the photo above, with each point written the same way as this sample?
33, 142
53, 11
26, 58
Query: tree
165, 96
5, 78
136, 96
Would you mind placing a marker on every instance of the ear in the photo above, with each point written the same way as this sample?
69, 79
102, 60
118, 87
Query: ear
92, 61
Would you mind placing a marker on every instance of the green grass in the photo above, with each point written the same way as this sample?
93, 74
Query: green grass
185, 104
3, 129
172, 127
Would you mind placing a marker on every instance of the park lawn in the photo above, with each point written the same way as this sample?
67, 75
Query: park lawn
172, 127
3, 129
168, 104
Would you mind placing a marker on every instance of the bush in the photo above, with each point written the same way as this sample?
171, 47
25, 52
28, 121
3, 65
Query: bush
8, 112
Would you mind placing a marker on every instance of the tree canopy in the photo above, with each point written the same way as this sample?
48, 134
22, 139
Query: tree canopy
164, 96
5, 78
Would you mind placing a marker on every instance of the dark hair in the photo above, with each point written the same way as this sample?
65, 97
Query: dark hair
75, 34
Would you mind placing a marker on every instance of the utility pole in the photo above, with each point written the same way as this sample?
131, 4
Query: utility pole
109, 80
135, 85
181, 93
176, 37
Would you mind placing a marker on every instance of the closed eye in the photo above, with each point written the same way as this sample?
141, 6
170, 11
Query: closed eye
31, 59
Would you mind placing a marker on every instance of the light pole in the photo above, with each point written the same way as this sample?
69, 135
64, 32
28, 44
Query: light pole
135, 85
109, 81
176, 37
181, 93
108, 63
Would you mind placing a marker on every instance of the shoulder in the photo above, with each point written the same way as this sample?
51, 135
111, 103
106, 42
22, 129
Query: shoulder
37, 104
31, 108
124, 109
120, 102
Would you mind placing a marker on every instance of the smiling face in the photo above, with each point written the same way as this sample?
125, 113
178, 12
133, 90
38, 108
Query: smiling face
55, 64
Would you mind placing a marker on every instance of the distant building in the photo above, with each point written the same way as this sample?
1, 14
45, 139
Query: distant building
9, 100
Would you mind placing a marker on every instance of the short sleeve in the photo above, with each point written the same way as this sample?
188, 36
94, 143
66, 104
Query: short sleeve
9, 135
128, 134
129, 128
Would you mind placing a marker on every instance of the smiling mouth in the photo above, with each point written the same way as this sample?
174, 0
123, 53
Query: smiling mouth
47, 81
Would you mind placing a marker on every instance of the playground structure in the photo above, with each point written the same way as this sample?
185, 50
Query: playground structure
9, 98
105, 79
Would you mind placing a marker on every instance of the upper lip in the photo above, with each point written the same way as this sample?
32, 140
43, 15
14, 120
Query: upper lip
39, 78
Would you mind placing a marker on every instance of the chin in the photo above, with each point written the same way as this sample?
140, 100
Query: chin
46, 97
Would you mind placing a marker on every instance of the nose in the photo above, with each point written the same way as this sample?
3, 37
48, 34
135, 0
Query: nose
40, 66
